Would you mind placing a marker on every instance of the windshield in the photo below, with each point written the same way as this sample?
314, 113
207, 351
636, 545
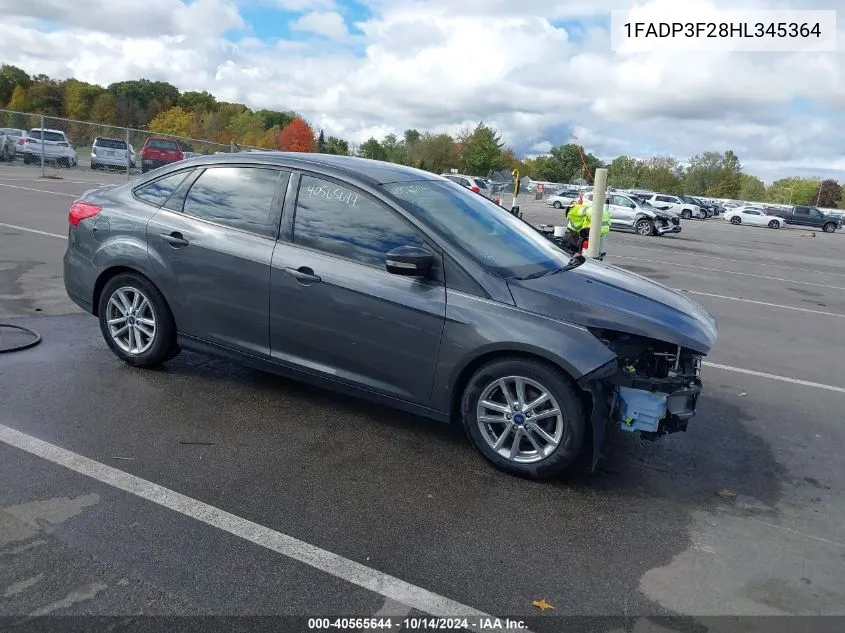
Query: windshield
505, 245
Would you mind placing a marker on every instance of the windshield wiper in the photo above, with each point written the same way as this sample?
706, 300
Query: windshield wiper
574, 262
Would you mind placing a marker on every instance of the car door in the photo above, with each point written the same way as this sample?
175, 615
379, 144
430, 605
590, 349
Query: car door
816, 218
334, 308
753, 216
211, 244
622, 211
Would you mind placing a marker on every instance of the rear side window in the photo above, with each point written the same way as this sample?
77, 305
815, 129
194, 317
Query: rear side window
480, 183
240, 197
164, 145
158, 191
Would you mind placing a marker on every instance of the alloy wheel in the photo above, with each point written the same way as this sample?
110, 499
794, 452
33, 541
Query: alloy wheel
131, 320
520, 419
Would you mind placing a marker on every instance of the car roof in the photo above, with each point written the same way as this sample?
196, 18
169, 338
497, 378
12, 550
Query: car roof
46, 129
109, 138
375, 171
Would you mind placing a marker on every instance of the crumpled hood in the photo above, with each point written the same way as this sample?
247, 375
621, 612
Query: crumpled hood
604, 296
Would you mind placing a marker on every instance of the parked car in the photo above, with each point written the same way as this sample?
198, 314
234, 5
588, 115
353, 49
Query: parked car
809, 216
53, 145
631, 213
8, 146
392, 284
111, 152
473, 183
674, 203
708, 208
158, 152
755, 216
563, 198
17, 136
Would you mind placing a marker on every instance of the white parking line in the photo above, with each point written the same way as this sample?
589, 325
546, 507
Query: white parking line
794, 381
762, 303
318, 558
55, 193
36, 231
738, 261
730, 272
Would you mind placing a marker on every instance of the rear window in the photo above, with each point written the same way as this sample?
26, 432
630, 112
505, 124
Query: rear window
165, 145
110, 143
480, 183
49, 136
15, 133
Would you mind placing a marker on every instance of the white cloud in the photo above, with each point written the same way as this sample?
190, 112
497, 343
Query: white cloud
327, 23
440, 65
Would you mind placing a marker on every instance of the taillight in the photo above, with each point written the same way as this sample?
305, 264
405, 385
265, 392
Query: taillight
475, 189
80, 210
29, 140
21, 141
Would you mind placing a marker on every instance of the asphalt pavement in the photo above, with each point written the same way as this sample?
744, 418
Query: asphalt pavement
742, 515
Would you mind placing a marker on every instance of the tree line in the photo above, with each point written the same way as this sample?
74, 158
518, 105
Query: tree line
162, 108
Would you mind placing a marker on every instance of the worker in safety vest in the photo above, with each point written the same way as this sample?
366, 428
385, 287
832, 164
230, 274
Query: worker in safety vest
579, 217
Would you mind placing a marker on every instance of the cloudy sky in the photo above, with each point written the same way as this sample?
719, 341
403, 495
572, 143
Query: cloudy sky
538, 70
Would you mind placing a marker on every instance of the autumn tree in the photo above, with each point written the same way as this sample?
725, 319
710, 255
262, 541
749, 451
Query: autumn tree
297, 136
792, 190
663, 174
827, 195
78, 98
197, 102
104, 109
174, 122
10, 78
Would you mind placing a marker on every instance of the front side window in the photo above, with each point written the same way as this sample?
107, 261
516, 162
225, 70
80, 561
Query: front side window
158, 191
498, 240
240, 197
342, 221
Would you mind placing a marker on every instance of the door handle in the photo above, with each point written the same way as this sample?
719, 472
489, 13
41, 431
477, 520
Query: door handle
303, 275
176, 240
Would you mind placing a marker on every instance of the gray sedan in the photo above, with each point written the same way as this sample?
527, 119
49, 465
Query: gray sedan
388, 283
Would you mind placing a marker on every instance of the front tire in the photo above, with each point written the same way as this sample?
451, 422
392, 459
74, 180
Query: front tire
774, 224
136, 321
686, 214
524, 417
830, 227
556, 204
644, 227
736, 220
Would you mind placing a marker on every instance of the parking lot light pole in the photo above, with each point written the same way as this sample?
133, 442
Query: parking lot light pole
599, 196
42, 147
515, 174
128, 155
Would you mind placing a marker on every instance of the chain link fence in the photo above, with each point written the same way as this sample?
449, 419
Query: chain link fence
56, 145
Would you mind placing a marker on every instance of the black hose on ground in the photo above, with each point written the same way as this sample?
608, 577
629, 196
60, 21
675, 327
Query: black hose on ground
35, 340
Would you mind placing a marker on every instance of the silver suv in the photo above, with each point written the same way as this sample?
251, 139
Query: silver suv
111, 152
474, 183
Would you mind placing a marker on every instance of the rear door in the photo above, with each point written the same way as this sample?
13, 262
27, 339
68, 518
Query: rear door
212, 243
336, 311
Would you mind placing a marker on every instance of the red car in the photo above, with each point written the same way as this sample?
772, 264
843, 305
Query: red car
159, 151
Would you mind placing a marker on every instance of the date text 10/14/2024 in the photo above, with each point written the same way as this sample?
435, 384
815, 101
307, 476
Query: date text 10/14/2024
417, 624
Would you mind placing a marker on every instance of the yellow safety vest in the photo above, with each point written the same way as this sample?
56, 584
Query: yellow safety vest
580, 215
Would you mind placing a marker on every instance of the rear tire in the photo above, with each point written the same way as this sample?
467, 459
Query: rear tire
547, 443
830, 227
736, 220
144, 309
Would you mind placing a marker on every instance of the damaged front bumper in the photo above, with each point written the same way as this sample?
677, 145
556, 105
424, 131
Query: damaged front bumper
653, 391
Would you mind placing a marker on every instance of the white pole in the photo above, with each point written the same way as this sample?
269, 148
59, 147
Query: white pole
599, 196
128, 155
42, 147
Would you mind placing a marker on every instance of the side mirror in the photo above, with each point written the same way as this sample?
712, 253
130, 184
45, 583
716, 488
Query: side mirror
409, 261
